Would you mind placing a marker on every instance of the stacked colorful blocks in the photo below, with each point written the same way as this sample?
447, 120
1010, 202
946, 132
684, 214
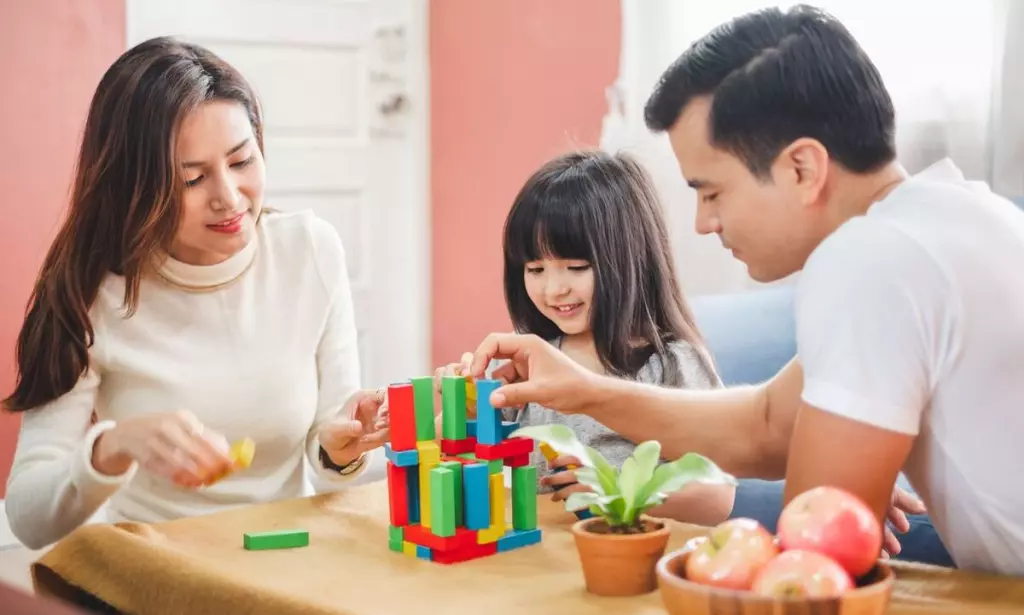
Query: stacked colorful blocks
447, 500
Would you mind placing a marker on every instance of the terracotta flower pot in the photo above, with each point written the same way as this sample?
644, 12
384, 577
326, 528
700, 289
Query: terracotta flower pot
619, 564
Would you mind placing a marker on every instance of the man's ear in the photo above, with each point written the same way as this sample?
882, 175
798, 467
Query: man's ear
804, 165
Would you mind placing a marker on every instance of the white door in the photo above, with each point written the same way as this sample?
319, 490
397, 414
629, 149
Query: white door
343, 85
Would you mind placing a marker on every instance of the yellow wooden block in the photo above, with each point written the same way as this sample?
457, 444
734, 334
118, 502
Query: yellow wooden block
549, 453
409, 549
470, 393
497, 528
242, 453
430, 456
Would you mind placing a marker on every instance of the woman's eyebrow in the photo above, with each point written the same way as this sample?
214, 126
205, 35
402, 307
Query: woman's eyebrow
234, 149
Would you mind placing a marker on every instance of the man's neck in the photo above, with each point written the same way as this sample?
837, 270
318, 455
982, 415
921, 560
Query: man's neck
854, 193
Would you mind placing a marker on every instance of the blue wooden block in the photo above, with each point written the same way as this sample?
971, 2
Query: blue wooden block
413, 495
471, 428
508, 427
476, 495
488, 420
423, 552
515, 539
402, 459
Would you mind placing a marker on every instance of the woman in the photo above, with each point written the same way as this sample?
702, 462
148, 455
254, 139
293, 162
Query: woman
174, 314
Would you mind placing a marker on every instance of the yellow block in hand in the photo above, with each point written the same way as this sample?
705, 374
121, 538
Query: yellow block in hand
242, 453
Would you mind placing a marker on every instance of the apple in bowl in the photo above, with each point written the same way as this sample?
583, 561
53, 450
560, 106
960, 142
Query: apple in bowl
832, 522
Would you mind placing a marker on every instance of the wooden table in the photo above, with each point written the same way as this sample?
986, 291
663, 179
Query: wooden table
14, 601
198, 566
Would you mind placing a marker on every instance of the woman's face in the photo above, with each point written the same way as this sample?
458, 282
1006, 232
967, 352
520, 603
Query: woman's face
224, 183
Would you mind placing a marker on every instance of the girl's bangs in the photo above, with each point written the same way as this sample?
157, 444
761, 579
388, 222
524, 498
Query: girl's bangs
547, 227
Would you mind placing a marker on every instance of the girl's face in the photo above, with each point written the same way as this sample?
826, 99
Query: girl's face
224, 180
562, 290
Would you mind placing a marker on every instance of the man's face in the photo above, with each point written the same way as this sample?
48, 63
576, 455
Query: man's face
762, 221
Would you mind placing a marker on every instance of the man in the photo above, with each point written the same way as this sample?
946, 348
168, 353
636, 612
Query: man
910, 305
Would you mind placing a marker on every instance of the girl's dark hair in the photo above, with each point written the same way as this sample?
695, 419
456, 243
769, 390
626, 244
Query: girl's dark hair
124, 205
602, 208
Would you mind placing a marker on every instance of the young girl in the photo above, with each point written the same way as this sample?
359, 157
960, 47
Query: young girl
588, 267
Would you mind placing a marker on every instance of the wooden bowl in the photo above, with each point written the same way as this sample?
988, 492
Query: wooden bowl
871, 597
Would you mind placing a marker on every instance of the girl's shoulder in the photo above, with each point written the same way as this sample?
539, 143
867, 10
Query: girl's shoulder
686, 366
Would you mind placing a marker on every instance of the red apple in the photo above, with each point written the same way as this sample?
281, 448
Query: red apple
736, 549
835, 523
802, 574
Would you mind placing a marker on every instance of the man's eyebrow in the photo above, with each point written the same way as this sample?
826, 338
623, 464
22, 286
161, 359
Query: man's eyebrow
234, 149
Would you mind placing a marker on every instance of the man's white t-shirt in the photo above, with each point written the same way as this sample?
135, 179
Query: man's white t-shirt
911, 318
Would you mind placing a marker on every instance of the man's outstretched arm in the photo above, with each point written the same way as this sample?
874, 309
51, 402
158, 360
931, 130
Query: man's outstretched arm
745, 430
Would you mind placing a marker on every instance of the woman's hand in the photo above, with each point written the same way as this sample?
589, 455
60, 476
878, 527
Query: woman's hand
174, 445
360, 427
563, 481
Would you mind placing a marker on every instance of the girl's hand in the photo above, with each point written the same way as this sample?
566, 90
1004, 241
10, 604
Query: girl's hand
174, 445
563, 480
366, 428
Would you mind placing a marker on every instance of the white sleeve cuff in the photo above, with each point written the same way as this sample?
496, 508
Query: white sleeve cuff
841, 401
87, 478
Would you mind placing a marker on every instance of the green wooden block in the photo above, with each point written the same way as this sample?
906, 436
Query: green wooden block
397, 547
524, 498
496, 466
453, 407
456, 469
442, 502
396, 534
469, 456
277, 539
423, 402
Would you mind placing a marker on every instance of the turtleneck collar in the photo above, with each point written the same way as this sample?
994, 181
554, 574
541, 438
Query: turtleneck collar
208, 277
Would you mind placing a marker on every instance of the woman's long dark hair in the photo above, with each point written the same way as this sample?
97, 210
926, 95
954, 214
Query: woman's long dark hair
602, 208
124, 205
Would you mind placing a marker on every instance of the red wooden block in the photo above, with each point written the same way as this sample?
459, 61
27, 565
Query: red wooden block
458, 447
402, 417
425, 538
518, 461
398, 494
513, 447
465, 554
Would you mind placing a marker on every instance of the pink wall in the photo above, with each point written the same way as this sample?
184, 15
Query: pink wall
54, 53
513, 83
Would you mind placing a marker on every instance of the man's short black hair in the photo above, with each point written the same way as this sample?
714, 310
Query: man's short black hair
775, 77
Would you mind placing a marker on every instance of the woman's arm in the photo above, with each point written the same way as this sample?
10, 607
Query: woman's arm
337, 355
54, 486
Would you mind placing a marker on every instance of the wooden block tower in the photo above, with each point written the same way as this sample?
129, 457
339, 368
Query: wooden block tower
447, 500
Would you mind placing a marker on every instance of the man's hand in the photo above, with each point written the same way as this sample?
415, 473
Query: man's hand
537, 372
345, 439
902, 502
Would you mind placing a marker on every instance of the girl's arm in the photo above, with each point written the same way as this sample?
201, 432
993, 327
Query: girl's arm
337, 355
54, 487
697, 503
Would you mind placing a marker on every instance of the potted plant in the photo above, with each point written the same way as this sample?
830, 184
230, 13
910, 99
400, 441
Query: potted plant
620, 545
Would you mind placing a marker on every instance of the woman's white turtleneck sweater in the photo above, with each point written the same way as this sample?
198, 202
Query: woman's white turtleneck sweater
262, 345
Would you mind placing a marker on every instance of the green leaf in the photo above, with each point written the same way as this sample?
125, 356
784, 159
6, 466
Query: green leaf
590, 478
579, 500
606, 472
637, 471
559, 437
691, 467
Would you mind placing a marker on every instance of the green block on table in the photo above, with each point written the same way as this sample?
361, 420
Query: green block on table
495, 466
423, 404
524, 498
442, 502
277, 539
396, 534
453, 407
456, 469
469, 456
397, 547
